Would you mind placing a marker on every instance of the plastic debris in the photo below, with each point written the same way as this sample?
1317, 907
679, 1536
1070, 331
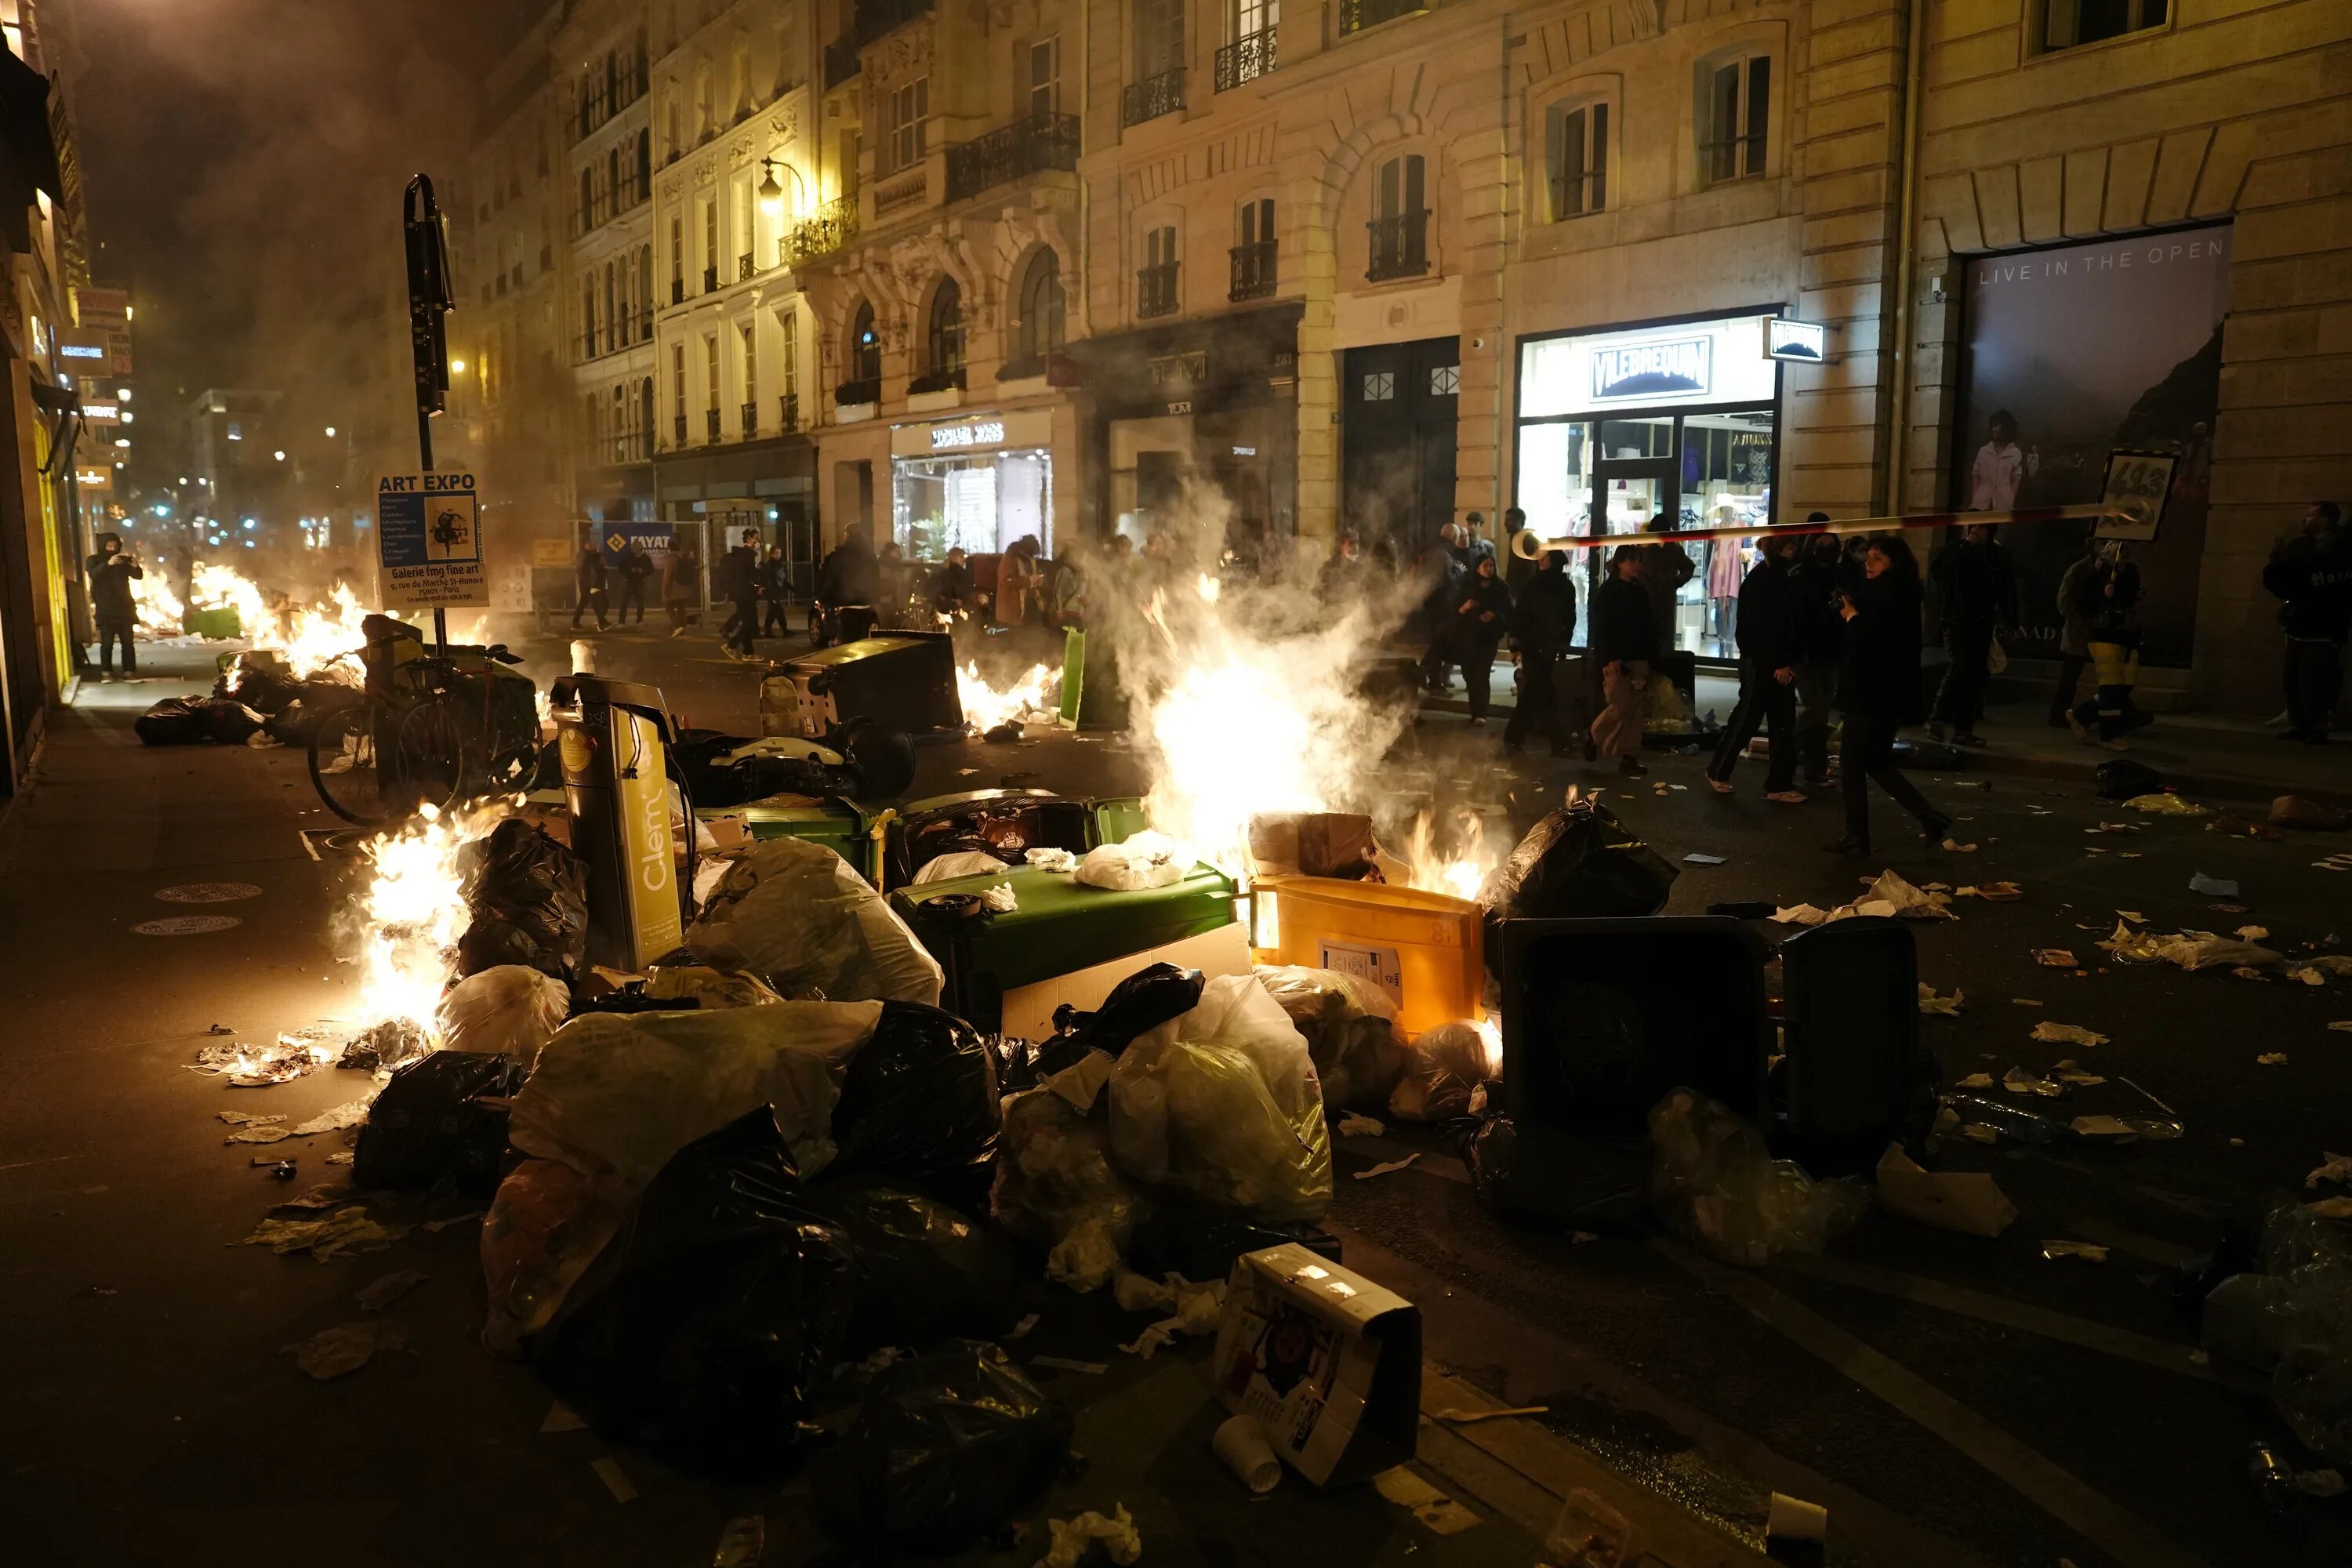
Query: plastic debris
1995, 892
1938, 1006
1976, 1081
377, 1294
1794, 1518
1694, 859
1059, 862
2342, 1025
1384, 1169
508, 1009
344, 1231
245, 1066
2252, 934
2211, 887
2165, 805
1977, 1132
561, 1417
1714, 1184
2271, 1060
2019, 1081
2055, 958
2088, 1251
1438, 1513
1353, 1125
1969, 1202
796, 915
347, 1347
2102, 1130
2319, 1483
2067, 1035
1241, 1445
1072, 1539
1146, 859
2193, 951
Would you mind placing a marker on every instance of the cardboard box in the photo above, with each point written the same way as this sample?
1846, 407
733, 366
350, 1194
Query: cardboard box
1328, 1361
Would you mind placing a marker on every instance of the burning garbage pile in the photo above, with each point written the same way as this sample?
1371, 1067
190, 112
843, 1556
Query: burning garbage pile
300, 666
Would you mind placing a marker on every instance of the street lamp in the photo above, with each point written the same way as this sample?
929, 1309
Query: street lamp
771, 194
280, 456
331, 432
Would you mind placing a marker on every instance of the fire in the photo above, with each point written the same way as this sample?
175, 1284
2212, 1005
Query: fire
159, 609
1235, 737
315, 638
215, 587
1490, 1034
412, 912
985, 706
1463, 866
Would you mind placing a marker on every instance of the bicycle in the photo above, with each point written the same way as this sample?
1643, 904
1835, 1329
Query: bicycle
420, 735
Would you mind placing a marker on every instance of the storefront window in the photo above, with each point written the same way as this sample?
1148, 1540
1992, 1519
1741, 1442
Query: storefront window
963, 486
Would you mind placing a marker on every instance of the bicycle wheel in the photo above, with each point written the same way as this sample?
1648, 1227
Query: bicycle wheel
343, 767
435, 754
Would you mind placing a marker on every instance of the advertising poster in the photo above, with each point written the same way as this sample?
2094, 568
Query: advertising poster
2071, 353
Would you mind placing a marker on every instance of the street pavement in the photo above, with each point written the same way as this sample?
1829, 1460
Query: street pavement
1950, 1400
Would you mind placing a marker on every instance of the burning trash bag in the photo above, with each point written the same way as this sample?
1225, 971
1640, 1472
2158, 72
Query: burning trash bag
1579, 863
508, 1010
430, 1123
918, 1105
704, 1325
948, 1446
1350, 1025
794, 914
924, 1271
529, 898
259, 679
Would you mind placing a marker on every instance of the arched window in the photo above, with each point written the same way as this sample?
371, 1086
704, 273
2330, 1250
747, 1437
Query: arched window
946, 337
1400, 221
1043, 307
864, 345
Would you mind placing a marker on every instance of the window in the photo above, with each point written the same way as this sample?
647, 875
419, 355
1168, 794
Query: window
1379, 386
1735, 119
645, 290
1399, 223
1575, 158
1159, 37
864, 345
2067, 23
710, 244
1155, 284
851, 145
1444, 381
946, 335
1045, 77
711, 375
1253, 255
613, 333
788, 332
910, 122
1043, 308
677, 260
1251, 26
751, 374
677, 386
645, 166
1251, 18
587, 201
588, 317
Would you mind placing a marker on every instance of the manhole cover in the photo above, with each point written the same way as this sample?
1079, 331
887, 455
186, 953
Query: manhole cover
185, 925
209, 893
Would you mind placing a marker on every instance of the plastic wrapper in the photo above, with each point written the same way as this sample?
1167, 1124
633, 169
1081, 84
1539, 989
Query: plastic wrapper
947, 1448
508, 1010
924, 1271
1222, 1103
430, 1124
1143, 1001
2293, 1320
708, 1321
960, 863
529, 898
1056, 1186
1579, 863
1440, 1074
794, 914
547, 1224
1715, 1186
619, 1093
918, 1105
1350, 1025
1146, 859
700, 985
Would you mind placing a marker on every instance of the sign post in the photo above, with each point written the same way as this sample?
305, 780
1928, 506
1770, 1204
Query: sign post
428, 306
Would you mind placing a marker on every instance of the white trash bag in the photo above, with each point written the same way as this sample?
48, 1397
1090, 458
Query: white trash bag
794, 914
509, 1009
1148, 860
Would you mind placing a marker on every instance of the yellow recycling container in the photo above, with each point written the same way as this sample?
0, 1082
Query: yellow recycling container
1427, 950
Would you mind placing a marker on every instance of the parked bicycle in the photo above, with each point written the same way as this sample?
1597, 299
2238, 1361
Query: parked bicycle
430, 728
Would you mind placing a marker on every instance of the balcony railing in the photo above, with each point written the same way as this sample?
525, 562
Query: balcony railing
678, 431
872, 19
823, 232
710, 421
1355, 16
607, 100
1155, 289
626, 446
677, 290
745, 269
751, 419
866, 390
788, 412
1152, 97
1400, 246
1253, 270
1011, 153
1244, 60
711, 279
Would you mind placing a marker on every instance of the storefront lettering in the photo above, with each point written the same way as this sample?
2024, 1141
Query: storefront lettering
983, 433
1648, 370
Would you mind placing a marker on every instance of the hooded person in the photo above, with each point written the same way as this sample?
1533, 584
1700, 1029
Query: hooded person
1543, 627
1767, 674
846, 581
1878, 687
1482, 614
112, 609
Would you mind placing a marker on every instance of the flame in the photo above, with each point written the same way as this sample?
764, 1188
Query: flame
1209, 588
215, 587
413, 911
316, 638
159, 609
1491, 1034
1463, 871
985, 706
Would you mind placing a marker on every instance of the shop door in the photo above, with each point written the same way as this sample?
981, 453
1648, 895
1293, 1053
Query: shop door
1396, 437
1637, 478
797, 534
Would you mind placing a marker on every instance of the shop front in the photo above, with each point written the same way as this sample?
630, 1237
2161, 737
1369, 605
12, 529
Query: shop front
976, 482
1654, 429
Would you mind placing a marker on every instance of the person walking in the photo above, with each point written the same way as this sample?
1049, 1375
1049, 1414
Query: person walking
1980, 591
1999, 466
2312, 573
1543, 626
845, 582
1821, 638
1623, 637
1878, 683
2108, 599
775, 588
590, 572
681, 585
636, 567
738, 582
1768, 675
2073, 633
113, 610
1447, 575
1481, 617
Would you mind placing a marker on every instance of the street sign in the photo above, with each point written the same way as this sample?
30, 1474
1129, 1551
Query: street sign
551, 552
429, 542
1807, 343
2138, 486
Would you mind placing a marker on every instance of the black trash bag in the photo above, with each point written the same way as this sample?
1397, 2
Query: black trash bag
1202, 1243
1579, 863
1136, 1006
1490, 1153
925, 1272
529, 898
264, 688
430, 1123
173, 721
227, 722
918, 1106
297, 723
2121, 778
948, 1446
704, 1326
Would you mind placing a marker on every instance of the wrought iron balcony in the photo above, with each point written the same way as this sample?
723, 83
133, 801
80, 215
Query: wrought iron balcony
1152, 97
1246, 59
744, 268
1011, 153
1253, 270
1155, 289
1400, 246
788, 412
710, 421
824, 231
677, 290
1355, 16
751, 419
711, 279
907, 193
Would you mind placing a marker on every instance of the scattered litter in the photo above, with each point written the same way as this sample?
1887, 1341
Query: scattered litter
2019, 1081
2165, 805
2132, 946
1241, 1445
1059, 862
340, 1119
1939, 1007
2342, 1025
1148, 860
261, 1066
1694, 859
742, 1543
1472, 1418
1063, 1363
2067, 1072
1794, 1518
2088, 1251
2271, 1060
245, 1117
2333, 1208
1995, 892
2103, 1130
1439, 1513
1976, 1081
1020, 1330
267, 1132
2134, 916
2067, 1035
1715, 1184
344, 1158
2055, 958
1959, 848
2319, 1483
561, 1417
1074, 1538
2025, 1001
2201, 950
2252, 934
318, 1200
1000, 900
2211, 887
1977, 1132
347, 1347
1383, 1169
346, 1230
1965, 1201
617, 1480
1800, 915
1353, 1125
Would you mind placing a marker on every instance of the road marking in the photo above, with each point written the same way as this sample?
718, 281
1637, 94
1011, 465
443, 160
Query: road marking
2099, 1519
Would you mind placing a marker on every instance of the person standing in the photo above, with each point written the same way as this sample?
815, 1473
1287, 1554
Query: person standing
1340, 582
2108, 599
775, 588
2312, 573
112, 609
845, 582
952, 591
1475, 545
636, 567
1878, 682
738, 581
1016, 581
1821, 638
2073, 633
1625, 636
1980, 591
1999, 467
1447, 574
1768, 675
1666, 567
591, 588
1543, 626
681, 585
1067, 606
1481, 617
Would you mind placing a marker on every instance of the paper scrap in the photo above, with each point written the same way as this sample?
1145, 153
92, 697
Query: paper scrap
1969, 1202
1976, 1081
346, 1230
2339, 1168
1074, 1539
377, 1294
1957, 847
2067, 1035
1384, 1168
246, 1118
742, 1543
2018, 1081
1694, 859
2252, 934
347, 1347
1356, 1125
617, 1480
561, 1417
2088, 1251
2271, 1060
2332, 1208
2055, 958
1937, 1007
2342, 1025
2103, 1130
2213, 886
1438, 1512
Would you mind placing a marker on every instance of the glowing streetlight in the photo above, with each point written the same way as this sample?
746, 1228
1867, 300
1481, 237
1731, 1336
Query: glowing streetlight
331, 432
771, 194
457, 366
280, 456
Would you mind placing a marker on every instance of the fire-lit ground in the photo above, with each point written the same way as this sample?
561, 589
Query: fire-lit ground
1950, 1400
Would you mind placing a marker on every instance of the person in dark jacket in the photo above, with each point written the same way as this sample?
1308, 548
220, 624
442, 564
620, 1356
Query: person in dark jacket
738, 581
776, 588
592, 587
1624, 636
2074, 632
112, 606
1666, 567
951, 590
1447, 573
2106, 598
1481, 616
1978, 587
1767, 674
636, 567
2313, 573
1543, 626
1340, 582
1821, 638
845, 583
1877, 683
